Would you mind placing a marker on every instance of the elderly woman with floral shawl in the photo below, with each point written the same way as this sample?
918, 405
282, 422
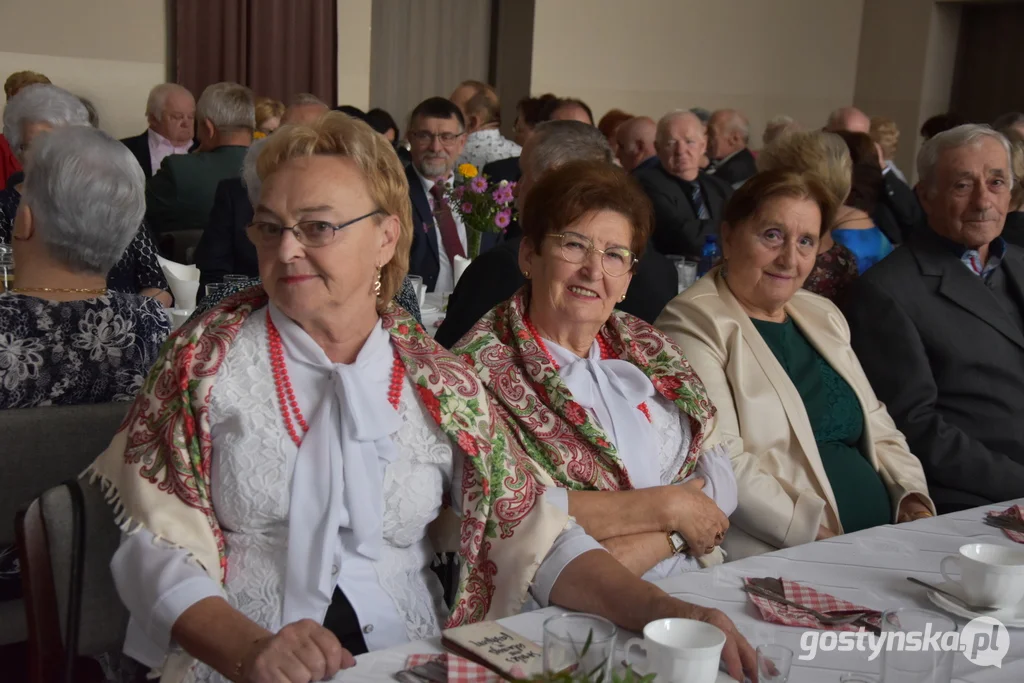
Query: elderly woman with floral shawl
606, 405
278, 471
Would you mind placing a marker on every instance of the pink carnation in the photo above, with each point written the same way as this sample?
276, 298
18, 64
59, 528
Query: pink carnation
478, 184
503, 218
467, 207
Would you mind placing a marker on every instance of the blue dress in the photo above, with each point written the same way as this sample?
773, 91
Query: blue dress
869, 245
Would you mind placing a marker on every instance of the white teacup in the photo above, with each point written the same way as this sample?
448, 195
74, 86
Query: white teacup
990, 575
680, 650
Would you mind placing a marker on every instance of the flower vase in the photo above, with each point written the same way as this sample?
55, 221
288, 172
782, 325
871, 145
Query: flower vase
473, 238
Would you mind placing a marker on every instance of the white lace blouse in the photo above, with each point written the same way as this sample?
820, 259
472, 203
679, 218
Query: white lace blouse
610, 391
396, 597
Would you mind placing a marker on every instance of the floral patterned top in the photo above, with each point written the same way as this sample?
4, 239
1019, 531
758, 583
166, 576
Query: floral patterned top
74, 352
137, 270
834, 271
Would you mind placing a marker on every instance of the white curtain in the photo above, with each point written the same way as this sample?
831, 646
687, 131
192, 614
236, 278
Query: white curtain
423, 48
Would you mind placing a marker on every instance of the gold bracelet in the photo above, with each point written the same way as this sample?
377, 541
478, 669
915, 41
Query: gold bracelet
240, 662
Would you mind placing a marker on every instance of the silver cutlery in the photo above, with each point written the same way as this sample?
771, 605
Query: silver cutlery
1003, 523
828, 620
956, 598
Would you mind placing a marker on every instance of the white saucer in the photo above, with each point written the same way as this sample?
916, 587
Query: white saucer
1011, 617
427, 308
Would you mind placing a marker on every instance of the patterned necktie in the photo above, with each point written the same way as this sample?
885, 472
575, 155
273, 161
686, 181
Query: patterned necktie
697, 197
446, 222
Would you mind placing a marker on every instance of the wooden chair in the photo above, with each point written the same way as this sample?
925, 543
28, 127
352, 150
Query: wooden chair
66, 539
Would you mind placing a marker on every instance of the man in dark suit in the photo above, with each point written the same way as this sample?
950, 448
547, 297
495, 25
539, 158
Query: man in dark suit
636, 144
898, 212
436, 137
938, 325
503, 169
728, 137
170, 111
224, 248
179, 197
688, 203
495, 276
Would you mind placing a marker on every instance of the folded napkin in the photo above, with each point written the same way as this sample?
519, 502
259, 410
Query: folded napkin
460, 669
1016, 514
777, 613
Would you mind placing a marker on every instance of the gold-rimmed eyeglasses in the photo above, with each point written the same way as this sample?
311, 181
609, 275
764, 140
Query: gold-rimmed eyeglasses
616, 261
308, 233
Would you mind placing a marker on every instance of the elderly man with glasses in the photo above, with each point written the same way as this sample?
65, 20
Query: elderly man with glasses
436, 140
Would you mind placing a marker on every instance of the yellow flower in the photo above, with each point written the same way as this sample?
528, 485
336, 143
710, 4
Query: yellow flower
467, 171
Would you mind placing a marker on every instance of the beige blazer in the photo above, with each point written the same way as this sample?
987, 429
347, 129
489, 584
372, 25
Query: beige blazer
784, 493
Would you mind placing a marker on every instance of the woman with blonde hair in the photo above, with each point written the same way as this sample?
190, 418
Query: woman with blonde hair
268, 115
827, 157
309, 431
886, 134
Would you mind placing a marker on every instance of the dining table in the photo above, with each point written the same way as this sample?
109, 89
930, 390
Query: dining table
868, 568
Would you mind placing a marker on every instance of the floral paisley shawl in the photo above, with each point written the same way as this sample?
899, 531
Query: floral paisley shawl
156, 471
557, 431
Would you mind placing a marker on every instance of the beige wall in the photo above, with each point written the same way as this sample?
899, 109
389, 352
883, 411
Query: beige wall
355, 18
111, 51
795, 57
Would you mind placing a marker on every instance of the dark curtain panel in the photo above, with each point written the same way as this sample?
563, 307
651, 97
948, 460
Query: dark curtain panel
989, 62
276, 47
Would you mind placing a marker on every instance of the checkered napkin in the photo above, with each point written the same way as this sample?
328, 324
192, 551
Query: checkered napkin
1015, 513
460, 669
777, 613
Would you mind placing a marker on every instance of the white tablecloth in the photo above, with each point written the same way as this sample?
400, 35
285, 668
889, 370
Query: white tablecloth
432, 311
868, 568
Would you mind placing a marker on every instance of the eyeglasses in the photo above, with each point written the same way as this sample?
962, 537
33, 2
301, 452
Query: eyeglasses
616, 261
424, 137
308, 233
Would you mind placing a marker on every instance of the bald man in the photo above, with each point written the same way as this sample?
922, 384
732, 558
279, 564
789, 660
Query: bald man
635, 138
728, 137
848, 119
688, 203
898, 212
481, 110
569, 109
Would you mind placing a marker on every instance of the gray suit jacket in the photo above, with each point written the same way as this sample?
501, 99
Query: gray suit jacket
948, 361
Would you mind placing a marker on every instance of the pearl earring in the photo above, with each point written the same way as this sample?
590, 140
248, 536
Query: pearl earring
526, 274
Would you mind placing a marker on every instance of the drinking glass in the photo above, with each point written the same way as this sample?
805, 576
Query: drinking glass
581, 645
6, 267
899, 663
687, 274
773, 663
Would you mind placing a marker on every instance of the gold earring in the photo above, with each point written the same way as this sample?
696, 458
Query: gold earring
376, 283
622, 298
526, 274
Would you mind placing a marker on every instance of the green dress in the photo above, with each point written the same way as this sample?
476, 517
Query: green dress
838, 425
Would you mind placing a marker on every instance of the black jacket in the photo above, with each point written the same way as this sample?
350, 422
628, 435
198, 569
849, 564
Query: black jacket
677, 230
495, 277
738, 168
947, 359
224, 248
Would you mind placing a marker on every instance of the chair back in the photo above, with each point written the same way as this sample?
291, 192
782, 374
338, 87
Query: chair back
47, 445
66, 539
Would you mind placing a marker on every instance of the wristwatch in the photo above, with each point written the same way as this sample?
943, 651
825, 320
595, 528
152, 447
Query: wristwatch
676, 542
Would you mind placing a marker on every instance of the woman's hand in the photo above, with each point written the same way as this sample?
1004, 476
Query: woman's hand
823, 533
697, 518
300, 652
912, 507
739, 657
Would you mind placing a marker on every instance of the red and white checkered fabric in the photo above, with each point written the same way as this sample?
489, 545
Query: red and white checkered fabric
1015, 513
460, 669
824, 603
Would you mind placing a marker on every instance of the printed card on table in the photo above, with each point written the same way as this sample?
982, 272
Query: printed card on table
496, 647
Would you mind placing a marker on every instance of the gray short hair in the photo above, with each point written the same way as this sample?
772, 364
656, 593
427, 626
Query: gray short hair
157, 99
559, 142
665, 121
250, 178
87, 194
228, 106
41, 103
967, 135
